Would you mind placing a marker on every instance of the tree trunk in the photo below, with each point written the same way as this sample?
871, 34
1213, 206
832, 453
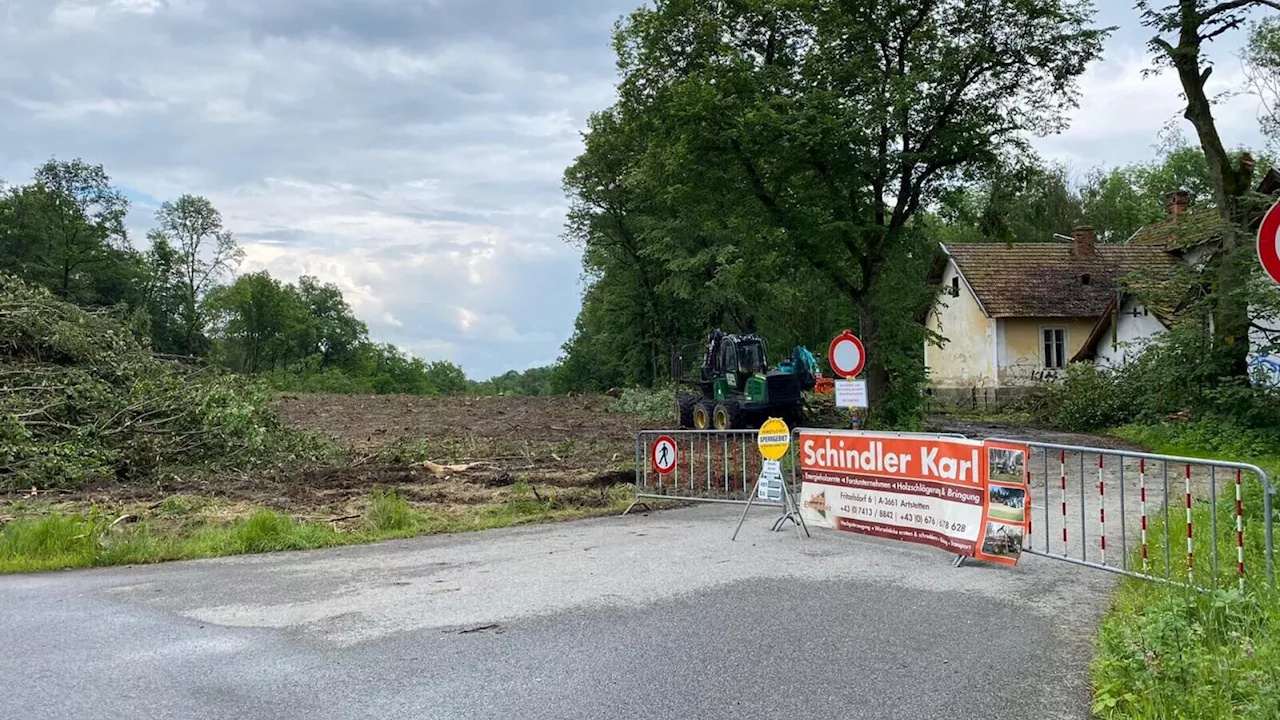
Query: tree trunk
875, 371
1231, 312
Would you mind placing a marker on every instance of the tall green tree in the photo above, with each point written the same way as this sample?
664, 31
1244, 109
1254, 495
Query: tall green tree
1183, 30
84, 220
259, 319
65, 230
332, 329
199, 253
800, 139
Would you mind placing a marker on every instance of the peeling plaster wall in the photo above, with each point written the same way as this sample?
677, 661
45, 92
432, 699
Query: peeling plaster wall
967, 357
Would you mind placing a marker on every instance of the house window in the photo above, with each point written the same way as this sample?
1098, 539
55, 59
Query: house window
955, 287
1055, 348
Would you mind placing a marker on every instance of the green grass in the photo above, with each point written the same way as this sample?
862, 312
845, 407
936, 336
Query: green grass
1008, 514
1169, 652
60, 541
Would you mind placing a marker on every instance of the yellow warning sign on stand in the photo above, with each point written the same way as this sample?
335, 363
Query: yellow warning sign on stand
774, 439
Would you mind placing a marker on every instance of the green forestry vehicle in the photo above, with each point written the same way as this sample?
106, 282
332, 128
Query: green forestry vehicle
736, 389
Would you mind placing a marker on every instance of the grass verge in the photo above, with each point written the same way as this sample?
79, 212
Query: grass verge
187, 529
1166, 652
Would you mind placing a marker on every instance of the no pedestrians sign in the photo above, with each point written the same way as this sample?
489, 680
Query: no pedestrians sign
664, 454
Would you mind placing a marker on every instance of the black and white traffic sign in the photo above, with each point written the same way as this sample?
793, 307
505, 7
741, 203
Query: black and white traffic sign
664, 454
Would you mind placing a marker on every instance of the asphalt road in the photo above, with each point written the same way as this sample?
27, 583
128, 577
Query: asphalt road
656, 616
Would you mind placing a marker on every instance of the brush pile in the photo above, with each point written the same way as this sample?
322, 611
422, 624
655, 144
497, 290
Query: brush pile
82, 399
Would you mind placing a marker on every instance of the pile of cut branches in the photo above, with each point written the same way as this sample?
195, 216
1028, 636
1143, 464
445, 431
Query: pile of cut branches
81, 398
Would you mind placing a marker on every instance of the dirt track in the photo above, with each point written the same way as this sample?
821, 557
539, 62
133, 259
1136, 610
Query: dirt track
365, 421
571, 449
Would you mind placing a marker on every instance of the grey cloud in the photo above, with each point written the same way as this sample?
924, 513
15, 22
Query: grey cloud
409, 150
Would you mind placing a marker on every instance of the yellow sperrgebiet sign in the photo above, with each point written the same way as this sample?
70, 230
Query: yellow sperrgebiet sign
774, 439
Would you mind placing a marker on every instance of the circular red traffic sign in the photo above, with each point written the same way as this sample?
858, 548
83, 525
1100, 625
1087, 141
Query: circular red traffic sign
663, 454
1269, 242
847, 355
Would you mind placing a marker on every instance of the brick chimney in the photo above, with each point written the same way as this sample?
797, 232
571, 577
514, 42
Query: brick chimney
1179, 201
1084, 241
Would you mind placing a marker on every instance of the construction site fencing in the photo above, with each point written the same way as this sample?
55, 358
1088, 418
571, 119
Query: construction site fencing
719, 466
1185, 521
713, 466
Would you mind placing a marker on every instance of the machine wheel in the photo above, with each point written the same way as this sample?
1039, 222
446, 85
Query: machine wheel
796, 416
684, 411
702, 415
728, 415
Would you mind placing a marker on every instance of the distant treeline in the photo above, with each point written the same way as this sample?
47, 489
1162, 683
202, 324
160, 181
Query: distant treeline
65, 230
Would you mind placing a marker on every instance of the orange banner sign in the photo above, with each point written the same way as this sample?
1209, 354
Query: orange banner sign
929, 490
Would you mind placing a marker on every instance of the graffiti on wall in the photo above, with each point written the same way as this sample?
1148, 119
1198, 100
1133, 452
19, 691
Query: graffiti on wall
1028, 371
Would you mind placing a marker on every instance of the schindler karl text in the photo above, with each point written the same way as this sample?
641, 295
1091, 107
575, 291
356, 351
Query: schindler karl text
874, 459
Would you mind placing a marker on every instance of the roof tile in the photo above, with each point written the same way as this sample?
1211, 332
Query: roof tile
1048, 279
1181, 233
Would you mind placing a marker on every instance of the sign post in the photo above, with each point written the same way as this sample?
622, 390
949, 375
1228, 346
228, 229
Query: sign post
773, 441
1269, 242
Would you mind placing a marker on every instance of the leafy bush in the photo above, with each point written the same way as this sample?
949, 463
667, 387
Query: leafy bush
1088, 399
1168, 378
649, 404
81, 398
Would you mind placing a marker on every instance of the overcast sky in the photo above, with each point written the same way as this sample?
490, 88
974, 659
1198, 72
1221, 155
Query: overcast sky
409, 151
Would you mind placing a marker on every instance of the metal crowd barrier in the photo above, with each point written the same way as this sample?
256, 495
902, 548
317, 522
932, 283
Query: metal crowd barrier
718, 466
1185, 521
1097, 507
715, 466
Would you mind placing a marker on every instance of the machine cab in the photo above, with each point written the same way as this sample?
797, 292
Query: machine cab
740, 358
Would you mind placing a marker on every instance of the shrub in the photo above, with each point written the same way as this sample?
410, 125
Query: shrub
1088, 399
1170, 377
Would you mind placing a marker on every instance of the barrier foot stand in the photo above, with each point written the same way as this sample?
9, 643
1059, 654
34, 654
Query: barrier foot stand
634, 503
745, 510
958, 561
795, 508
791, 511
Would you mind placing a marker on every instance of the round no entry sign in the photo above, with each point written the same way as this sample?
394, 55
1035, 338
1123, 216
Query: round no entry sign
846, 355
664, 454
1269, 242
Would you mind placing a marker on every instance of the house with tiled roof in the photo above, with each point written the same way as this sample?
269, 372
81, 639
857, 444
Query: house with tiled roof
1127, 324
1013, 315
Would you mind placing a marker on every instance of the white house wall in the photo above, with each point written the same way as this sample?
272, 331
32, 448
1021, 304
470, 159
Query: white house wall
1131, 334
967, 358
